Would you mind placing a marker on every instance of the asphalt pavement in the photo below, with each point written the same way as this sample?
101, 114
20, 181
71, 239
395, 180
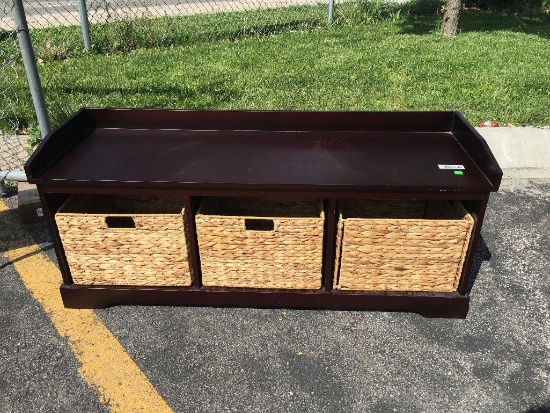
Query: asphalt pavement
204, 359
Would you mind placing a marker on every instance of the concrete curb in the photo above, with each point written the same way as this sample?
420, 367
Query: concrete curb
524, 148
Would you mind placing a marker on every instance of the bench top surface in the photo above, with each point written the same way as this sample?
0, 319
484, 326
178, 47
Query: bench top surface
386, 159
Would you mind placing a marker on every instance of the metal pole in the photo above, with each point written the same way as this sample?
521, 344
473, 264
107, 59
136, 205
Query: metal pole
10, 176
13, 176
85, 24
330, 10
29, 61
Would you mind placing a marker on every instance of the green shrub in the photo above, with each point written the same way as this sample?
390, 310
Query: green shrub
379, 10
383, 10
424, 7
515, 6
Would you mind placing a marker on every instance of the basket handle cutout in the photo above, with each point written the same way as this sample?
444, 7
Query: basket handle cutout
259, 224
120, 222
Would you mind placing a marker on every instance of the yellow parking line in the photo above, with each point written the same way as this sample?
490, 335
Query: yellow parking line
105, 365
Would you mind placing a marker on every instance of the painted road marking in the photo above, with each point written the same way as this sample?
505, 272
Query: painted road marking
106, 367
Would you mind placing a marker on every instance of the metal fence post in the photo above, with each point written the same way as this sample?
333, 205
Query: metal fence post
85, 24
330, 10
29, 61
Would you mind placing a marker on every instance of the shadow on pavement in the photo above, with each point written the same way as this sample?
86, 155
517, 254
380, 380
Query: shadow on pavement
37, 251
482, 254
544, 408
10, 228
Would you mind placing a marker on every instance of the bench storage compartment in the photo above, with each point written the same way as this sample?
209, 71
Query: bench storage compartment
261, 242
387, 245
124, 240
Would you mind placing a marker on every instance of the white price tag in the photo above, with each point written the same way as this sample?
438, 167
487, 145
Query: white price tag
451, 166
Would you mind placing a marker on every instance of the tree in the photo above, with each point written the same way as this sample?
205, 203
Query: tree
450, 17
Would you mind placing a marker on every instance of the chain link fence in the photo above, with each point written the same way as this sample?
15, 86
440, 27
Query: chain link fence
12, 144
122, 25
66, 12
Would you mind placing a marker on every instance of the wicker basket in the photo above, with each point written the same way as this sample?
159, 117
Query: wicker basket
260, 242
401, 245
124, 240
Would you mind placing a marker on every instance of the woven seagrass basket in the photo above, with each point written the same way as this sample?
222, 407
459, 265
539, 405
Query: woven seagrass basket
401, 245
124, 240
260, 242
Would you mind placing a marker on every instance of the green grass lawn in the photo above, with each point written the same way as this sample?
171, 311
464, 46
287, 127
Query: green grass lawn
498, 68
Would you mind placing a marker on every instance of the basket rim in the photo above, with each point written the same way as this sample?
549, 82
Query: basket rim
318, 202
466, 217
107, 214
274, 218
67, 203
